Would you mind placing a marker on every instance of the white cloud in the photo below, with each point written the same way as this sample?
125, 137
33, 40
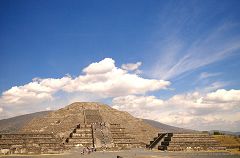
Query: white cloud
113, 81
136, 102
100, 80
185, 109
101, 67
215, 85
48, 108
131, 66
223, 95
34, 92
1, 109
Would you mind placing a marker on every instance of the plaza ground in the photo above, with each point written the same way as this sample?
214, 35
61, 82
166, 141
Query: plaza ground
135, 153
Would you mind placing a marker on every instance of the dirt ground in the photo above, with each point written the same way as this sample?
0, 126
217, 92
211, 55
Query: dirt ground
137, 153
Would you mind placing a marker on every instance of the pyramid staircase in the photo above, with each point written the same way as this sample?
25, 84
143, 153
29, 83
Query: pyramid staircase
82, 135
155, 143
92, 116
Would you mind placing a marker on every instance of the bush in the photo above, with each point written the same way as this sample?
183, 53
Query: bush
216, 133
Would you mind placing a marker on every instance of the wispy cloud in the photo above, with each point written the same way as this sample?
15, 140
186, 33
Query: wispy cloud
177, 58
205, 75
215, 85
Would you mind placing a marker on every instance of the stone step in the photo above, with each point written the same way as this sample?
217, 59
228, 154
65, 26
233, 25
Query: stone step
122, 138
190, 136
82, 140
201, 139
192, 142
86, 126
83, 130
12, 141
115, 126
15, 136
180, 148
79, 144
119, 132
195, 145
193, 139
112, 128
49, 145
117, 129
30, 138
81, 135
78, 137
127, 143
124, 141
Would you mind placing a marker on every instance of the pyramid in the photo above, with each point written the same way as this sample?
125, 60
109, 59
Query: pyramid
92, 124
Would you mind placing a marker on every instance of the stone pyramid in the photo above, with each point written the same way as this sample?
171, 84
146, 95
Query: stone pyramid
93, 124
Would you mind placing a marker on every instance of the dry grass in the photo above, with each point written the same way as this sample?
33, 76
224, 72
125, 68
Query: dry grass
231, 142
228, 140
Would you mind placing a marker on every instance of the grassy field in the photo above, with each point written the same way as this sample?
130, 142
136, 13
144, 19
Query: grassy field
231, 142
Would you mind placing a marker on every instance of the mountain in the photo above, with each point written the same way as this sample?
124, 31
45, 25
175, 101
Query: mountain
167, 128
14, 124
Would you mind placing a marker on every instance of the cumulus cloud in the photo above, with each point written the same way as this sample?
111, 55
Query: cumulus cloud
112, 81
101, 67
36, 91
223, 95
185, 109
136, 102
100, 80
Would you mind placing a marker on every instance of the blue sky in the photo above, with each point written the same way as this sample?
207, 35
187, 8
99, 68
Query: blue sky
193, 45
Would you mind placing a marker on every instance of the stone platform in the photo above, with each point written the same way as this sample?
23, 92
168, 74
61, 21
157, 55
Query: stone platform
182, 142
30, 143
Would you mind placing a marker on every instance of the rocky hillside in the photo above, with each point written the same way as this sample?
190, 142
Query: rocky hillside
166, 128
14, 124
